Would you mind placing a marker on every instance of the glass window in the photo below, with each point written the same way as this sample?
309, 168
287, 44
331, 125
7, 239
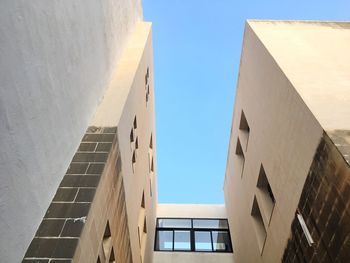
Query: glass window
210, 223
202, 241
174, 223
182, 240
186, 234
221, 241
164, 240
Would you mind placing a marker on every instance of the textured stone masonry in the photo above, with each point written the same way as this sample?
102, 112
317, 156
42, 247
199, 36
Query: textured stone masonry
60, 231
325, 207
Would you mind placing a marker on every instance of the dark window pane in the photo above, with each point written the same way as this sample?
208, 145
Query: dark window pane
221, 241
202, 241
182, 240
164, 240
174, 223
210, 223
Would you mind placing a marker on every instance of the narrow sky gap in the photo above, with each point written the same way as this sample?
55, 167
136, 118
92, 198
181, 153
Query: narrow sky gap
197, 46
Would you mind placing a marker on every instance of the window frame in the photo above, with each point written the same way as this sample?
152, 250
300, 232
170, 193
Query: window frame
192, 231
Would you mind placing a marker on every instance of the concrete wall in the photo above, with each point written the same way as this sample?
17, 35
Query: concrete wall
137, 181
283, 137
124, 100
56, 59
192, 257
191, 211
320, 74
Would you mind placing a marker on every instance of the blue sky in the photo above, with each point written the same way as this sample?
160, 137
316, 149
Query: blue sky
197, 47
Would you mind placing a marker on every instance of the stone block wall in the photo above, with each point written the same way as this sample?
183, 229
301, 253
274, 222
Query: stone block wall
325, 207
87, 220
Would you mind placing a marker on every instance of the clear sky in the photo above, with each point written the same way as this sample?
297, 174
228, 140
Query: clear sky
197, 46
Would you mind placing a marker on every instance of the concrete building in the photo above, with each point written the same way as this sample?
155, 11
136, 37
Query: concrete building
105, 204
78, 157
77, 138
106, 201
288, 177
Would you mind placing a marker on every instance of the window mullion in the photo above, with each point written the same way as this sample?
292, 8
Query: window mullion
192, 240
192, 237
173, 240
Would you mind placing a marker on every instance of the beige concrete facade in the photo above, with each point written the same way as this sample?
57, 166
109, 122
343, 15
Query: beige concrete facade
293, 84
191, 211
125, 102
129, 104
191, 257
320, 74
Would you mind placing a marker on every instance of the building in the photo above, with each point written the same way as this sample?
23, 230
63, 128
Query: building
288, 177
78, 156
80, 138
105, 203
77, 160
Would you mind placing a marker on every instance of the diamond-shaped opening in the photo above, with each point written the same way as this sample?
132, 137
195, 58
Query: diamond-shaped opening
143, 200
107, 240
144, 226
132, 135
239, 150
240, 155
133, 157
135, 123
266, 195
243, 124
112, 257
259, 227
151, 142
244, 131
